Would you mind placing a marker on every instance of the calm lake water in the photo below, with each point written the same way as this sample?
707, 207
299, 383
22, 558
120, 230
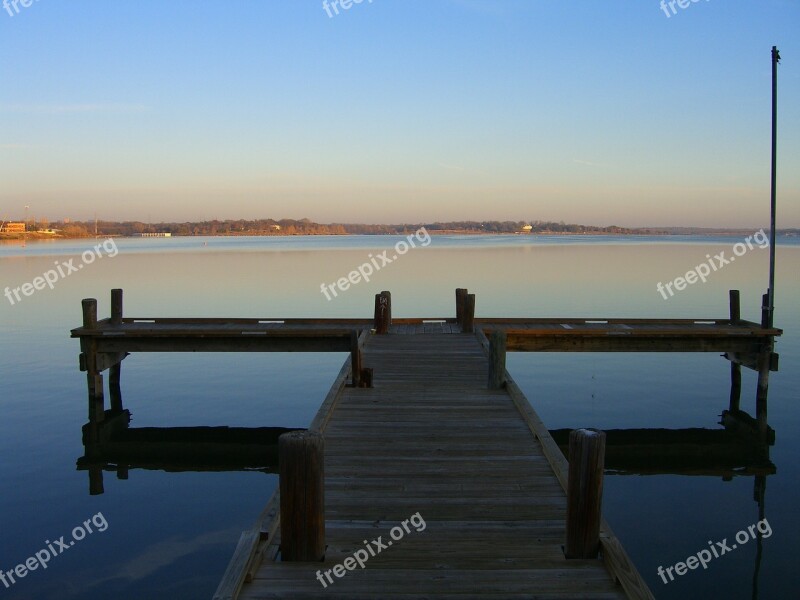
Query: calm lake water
170, 535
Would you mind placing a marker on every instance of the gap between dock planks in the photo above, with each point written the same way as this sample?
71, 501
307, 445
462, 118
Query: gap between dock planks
466, 458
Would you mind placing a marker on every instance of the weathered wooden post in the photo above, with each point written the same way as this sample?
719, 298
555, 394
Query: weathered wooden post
468, 324
115, 371
762, 391
736, 368
301, 458
461, 295
116, 307
355, 358
89, 306
765, 316
584, 492
383, 312
388, 295
94, 379
366, 377
736, 311
497, 359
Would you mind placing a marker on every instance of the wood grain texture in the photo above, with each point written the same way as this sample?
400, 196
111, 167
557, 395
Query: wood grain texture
430, 438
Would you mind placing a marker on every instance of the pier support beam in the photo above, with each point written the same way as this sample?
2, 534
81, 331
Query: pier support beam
584, 492
301, 457
736, 368
94, 380
764, 361
497, 359
761, 396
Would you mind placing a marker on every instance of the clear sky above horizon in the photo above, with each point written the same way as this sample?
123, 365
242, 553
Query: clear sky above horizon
399, 111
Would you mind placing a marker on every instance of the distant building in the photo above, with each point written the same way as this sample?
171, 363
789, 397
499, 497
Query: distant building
275, 227
157, 234
527, 227
13, 228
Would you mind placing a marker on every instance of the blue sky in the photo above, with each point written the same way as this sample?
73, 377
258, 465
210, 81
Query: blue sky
399, 111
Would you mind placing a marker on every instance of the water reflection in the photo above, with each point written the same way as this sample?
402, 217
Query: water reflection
117, 447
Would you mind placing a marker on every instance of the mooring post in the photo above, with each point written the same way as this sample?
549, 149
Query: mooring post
461, 295
736, 311
366, 377
94, 379
383, 312
355, 358
765, 313
89, 306
388, 295
497, 359
468, 324
116, 307
584, 492
301, 458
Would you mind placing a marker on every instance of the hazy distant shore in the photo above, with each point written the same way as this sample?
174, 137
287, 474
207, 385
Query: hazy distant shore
37, 236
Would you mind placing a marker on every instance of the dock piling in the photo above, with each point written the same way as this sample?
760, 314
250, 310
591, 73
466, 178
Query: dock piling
89, 306
468, 320
116, 307
497, 359
461, 296
735, 307
383, 312
301, 457
355, 358
736, 368
584, 492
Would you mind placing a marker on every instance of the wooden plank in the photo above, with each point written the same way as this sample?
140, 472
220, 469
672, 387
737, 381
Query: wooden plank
430, 438
234, 575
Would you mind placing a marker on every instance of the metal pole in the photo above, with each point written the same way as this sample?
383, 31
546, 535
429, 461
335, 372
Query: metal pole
776, 57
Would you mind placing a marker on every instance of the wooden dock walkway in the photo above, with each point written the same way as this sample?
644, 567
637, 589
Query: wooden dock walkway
431, 438
424, 424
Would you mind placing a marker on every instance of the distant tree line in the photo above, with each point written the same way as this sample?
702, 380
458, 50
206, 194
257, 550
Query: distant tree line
308, 227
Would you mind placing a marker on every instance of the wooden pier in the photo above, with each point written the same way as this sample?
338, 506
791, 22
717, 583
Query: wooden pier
423, 419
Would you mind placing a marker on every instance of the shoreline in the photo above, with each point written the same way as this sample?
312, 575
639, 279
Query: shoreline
38, 237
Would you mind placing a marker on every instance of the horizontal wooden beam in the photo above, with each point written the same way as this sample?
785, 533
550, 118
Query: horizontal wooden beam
219, 343
600, 342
